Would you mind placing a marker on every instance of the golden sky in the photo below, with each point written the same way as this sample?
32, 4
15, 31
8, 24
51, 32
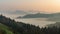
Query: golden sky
39, 5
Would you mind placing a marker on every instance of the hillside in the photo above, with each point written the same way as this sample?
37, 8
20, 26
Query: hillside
9, 26
19, 27
5, 30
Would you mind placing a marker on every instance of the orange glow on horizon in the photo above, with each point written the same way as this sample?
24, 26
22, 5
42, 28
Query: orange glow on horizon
39, 5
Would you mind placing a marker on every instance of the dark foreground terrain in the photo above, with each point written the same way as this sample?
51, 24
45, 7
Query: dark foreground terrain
9, 26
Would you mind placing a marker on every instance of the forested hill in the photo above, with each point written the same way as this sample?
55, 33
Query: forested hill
19, 27
22, 28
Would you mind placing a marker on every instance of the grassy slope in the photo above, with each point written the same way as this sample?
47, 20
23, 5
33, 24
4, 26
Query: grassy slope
5, 28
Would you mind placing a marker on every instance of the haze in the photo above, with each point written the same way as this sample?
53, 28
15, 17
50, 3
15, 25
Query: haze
50, 6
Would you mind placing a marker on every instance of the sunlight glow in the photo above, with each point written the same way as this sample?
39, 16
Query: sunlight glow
40, 5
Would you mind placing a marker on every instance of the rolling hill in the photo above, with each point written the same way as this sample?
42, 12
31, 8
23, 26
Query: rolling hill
4, 29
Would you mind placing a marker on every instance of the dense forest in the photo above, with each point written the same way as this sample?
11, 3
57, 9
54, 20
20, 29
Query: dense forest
10, 26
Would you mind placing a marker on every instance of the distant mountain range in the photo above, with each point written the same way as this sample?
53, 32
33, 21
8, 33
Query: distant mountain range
51, 17
38, 15
55, 17
16, 12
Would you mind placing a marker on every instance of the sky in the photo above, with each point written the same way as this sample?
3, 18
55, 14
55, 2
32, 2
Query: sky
50, 6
